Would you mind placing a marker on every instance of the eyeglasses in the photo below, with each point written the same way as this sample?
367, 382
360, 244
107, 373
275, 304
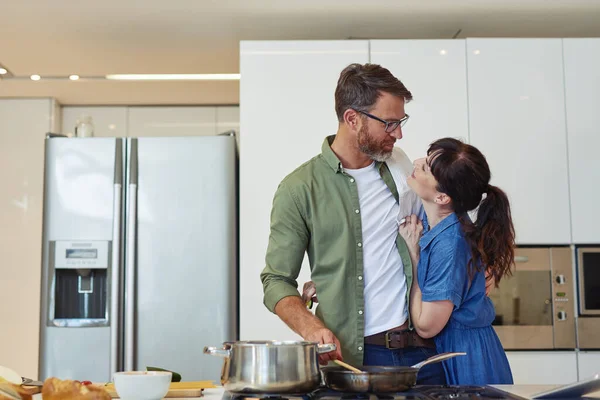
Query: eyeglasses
390, 126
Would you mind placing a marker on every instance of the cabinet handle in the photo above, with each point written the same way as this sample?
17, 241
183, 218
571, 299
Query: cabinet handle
521, 259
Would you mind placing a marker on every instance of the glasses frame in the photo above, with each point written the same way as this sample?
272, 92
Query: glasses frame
390, 126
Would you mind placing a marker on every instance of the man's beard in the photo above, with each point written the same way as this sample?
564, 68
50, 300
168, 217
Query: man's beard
369, 146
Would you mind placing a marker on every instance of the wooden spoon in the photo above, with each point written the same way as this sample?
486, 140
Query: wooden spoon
348, 366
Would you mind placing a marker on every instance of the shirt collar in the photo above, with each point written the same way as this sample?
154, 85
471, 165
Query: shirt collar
332, 160
429, 235
329, 156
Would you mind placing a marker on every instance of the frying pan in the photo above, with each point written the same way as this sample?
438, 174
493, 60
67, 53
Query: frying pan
376, 379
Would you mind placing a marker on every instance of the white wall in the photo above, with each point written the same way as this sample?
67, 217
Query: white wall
23, 127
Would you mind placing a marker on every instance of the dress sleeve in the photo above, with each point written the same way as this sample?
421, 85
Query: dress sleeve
446, 276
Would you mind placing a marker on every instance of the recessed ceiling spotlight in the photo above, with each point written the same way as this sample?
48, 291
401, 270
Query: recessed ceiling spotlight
74, 77
3, 71
35, 77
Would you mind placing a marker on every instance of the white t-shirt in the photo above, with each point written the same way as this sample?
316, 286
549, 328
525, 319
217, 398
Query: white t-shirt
384, 279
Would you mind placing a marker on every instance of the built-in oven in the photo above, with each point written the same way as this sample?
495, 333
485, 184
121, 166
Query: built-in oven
535, 306
588, 290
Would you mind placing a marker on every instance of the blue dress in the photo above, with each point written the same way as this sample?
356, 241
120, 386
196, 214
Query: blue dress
443, 275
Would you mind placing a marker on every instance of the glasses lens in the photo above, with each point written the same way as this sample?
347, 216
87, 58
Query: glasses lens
392, 126
404, 120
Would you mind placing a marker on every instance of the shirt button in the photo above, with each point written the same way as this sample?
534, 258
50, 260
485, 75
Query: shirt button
359, 244
360, 277
359, 348
357, 211
351, 180
360, 312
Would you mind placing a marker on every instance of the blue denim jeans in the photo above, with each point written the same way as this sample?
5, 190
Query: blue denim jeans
432, 374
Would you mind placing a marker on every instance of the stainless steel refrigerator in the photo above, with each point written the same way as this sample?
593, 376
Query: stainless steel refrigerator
139, 255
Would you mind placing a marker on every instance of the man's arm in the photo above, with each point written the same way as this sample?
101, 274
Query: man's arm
288, 242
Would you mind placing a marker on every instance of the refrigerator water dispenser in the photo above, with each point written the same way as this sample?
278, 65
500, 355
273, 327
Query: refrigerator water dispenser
79, 279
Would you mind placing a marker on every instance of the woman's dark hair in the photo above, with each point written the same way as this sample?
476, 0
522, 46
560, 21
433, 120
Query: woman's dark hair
360, 85
463, 173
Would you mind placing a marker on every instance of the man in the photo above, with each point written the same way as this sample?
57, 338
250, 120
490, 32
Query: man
341, 207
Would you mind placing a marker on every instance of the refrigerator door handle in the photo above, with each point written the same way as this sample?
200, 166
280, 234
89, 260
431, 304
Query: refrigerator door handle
115, 321
130, 273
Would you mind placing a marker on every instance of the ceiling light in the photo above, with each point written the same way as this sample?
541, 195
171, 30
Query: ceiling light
3, 71
476, 52
174, 77
74, 77
443, 52
35, 77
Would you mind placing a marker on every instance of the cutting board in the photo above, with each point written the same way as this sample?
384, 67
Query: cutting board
177, 389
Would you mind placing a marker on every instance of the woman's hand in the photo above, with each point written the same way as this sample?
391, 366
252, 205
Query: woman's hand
411, 231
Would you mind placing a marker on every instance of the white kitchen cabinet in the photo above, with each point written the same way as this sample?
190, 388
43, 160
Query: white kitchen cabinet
588, 363
543, 367
517, 119
172, 121
287, 110
582, 86
24, 124
108, 121
435, 72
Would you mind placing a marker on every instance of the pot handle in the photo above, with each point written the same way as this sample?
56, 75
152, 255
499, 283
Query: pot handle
326, 348
213, 351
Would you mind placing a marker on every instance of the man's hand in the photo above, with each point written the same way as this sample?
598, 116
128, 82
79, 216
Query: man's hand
325, 336
309, 292
292, 310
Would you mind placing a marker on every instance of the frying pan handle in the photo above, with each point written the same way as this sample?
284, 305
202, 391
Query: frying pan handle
326, 348
437, 358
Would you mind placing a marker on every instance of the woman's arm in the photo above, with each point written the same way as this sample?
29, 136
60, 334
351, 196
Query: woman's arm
428, 318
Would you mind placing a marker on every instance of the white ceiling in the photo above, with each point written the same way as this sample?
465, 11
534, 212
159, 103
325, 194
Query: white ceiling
99, 37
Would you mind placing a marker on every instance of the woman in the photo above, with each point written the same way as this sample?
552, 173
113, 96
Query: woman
451, 255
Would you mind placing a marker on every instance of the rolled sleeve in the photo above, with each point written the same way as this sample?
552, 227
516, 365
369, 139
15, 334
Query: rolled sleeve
288, 241
440, 295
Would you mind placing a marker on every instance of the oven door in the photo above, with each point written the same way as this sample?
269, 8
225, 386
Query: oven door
588, 268
588, 323
534, 308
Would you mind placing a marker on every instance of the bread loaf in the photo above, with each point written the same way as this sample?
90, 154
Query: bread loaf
56, 389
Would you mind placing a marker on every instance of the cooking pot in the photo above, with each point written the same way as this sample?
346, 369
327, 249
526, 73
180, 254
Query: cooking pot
270, 367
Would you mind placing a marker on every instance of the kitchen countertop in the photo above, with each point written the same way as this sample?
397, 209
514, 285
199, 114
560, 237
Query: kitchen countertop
528, 390
520, 390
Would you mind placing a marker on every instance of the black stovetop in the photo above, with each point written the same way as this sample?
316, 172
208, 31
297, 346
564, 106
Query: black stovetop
416, 393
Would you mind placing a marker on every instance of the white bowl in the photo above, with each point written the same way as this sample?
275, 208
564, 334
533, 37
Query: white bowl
142, 385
